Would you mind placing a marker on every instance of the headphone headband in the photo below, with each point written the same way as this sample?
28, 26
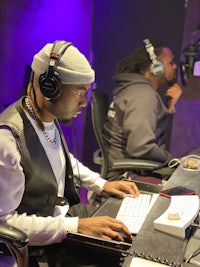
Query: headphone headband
150, 50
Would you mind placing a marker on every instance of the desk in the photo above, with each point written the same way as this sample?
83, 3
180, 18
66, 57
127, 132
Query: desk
150, 242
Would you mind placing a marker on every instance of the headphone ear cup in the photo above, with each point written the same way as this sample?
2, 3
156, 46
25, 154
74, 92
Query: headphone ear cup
50, 84
157, 68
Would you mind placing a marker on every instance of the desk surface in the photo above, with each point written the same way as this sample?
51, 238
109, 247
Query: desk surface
155, 244
150, 242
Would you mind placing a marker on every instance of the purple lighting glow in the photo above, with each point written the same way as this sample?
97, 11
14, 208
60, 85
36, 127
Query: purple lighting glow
26, 26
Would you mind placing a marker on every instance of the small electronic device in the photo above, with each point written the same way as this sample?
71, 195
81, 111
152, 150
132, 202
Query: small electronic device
177, 191
189, 163
180, 214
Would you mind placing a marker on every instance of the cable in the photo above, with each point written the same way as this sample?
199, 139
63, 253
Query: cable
174, 162
78, 183
195, 225
194, 254
197, 251
193, 164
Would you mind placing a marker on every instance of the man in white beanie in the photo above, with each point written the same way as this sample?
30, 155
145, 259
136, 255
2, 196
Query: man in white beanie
36, 168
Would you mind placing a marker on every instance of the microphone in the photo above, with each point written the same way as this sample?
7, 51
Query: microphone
191, 53
186, 68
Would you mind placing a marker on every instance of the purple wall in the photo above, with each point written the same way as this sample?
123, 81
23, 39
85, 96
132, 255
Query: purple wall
26, 26
115, 27
119, 26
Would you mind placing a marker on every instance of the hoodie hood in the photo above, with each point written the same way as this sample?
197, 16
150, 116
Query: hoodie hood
124, 80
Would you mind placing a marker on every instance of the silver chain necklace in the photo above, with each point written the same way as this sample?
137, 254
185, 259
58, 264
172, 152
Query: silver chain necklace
48, 139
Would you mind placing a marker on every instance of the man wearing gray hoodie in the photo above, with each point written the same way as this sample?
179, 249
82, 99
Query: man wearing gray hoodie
137, 118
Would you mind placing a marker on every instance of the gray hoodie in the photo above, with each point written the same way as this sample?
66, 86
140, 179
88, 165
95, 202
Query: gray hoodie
137, 120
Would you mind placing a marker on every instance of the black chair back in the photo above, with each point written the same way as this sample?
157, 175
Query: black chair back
99, 108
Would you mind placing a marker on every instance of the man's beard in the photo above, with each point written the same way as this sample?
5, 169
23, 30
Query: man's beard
66, 122
172, 81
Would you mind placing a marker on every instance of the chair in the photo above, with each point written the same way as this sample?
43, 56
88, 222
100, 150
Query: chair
15, 242
99, 107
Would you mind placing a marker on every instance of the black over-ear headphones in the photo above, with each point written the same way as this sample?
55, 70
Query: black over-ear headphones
50, 81
157, 68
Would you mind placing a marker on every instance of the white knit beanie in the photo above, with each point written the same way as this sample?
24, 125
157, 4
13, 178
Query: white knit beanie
73, 67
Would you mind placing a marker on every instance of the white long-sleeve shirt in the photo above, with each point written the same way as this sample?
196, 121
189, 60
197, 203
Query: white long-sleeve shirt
40, 230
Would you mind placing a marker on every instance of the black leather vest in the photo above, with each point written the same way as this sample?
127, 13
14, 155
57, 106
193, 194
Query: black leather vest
40, 195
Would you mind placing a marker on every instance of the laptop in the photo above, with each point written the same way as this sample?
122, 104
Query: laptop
110, 208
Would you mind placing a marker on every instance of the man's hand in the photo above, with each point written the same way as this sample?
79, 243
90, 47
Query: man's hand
103, 227
173, 93
121, 188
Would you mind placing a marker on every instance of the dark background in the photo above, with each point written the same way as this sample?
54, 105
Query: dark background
119, 26
105, 31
